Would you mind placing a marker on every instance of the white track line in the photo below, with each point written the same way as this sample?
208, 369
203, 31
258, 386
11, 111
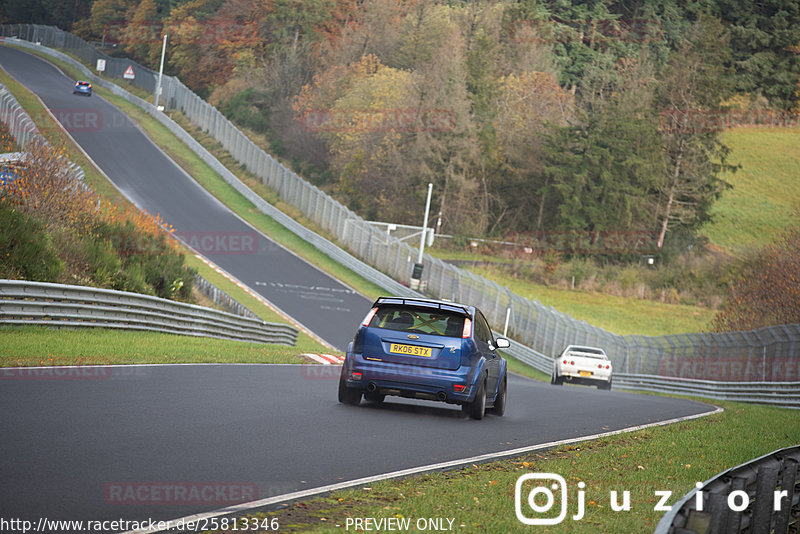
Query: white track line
244, 507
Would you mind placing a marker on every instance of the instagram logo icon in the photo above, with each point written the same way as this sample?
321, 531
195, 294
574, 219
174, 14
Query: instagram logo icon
549, 490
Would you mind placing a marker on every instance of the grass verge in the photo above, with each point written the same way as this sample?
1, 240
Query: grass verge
480, 498
45, 346
616, 314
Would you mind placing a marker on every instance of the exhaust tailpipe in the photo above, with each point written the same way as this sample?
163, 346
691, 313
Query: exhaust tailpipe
372, 387
441, 396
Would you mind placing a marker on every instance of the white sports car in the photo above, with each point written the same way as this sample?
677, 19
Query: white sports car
582, 365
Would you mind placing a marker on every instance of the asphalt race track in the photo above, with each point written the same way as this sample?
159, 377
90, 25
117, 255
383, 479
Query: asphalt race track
156, 184
164, 442
74, 446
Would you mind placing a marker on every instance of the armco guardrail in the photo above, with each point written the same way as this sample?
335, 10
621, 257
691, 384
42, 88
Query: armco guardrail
776, 393
58, 305
766, 355
758, 497
221, 299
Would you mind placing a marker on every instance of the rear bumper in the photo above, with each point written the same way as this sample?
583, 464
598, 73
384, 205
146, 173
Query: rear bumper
410, 381
574, 376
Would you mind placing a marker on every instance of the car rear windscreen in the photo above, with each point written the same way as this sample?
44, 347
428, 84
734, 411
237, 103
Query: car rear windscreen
419, 321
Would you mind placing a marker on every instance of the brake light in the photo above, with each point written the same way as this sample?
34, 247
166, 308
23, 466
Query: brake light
572, 362
565, 362
600, 366
459, 388
355, 375
467, 332
369, 317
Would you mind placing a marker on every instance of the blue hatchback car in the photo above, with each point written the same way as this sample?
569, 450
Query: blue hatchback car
426, 349
82, 88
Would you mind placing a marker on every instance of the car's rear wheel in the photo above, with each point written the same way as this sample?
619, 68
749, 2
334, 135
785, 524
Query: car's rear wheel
605, 385
499, 407
556, 380
347, 395
477, 407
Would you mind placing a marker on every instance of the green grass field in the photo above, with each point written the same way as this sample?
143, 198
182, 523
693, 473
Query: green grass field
42, 346
615, 314
765, 196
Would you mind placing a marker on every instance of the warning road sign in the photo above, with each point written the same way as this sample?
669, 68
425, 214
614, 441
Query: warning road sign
129, 75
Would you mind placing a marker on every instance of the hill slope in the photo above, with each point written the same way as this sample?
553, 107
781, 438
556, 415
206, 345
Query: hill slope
766, 191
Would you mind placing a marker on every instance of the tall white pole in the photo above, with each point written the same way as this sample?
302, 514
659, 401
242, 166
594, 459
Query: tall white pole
425, 224
161, 69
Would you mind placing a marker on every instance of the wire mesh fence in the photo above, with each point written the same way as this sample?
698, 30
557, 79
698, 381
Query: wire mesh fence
767, 355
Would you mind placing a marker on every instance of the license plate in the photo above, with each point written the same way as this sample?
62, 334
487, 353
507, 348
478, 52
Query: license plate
585, 373
410, 350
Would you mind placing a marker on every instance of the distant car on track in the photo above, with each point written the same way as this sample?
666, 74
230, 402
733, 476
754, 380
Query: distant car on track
82, 88
426, 349
582, 365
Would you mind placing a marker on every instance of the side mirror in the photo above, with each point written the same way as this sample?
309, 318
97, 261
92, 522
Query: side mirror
502, 343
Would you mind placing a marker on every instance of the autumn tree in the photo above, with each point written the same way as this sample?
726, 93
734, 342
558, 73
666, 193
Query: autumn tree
143, 31
108, 18
526, 104
204, 40
691, 91
83, 238
355, 110
370, 30
444, 151
286, 23
768, 291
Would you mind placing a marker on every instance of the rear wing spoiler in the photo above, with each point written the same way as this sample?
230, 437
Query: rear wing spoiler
594, 355
437, 305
